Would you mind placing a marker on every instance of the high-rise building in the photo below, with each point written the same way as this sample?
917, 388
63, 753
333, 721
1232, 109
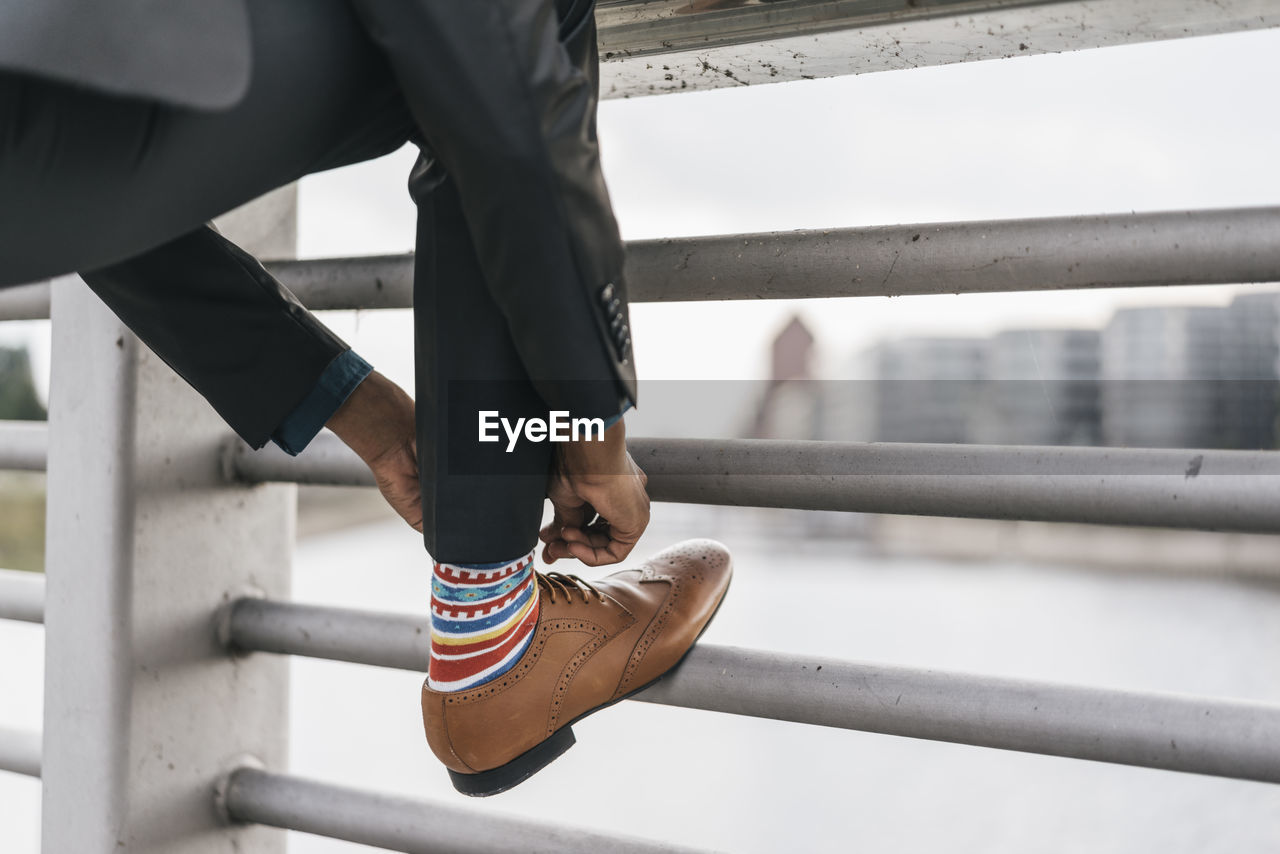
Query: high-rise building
915, 390
1253, 405
1163, 369
1041, 388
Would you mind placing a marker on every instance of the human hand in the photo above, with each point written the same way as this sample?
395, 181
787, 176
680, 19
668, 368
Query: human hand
377, 422
599, 501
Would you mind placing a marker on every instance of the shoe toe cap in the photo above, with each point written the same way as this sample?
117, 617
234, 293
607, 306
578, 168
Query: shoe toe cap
698, 572
699, 563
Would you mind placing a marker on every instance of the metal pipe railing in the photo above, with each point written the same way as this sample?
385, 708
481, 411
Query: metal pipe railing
644, 30
1208, 490
1226, 738
24, 445
25, 302
21, 596
405, 824
400, 641
1198, 489
326, 461
1055, 253
20, 751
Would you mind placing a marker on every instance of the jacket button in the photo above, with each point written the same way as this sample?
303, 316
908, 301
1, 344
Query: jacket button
606, 294
616, 324
614, 305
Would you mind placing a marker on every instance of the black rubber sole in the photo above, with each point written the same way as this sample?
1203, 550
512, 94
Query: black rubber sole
515, 772
495, 781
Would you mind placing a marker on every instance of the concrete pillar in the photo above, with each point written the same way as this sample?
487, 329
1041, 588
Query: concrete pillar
144, 710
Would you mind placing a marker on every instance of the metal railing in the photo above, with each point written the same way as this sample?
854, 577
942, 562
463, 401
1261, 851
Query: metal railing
1053, 253
169, 467
404, 824
24, 445
1225, 738
21, 596
20, 752
1200, 489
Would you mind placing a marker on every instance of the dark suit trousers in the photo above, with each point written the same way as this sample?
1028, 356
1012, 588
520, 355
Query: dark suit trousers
120, 188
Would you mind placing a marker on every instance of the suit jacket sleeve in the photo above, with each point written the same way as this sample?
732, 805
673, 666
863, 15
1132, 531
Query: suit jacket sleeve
505, 94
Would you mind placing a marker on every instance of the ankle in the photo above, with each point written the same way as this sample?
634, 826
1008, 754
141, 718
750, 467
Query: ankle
482, 621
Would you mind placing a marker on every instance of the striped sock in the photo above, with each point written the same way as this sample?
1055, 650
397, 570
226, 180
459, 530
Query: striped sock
482, 621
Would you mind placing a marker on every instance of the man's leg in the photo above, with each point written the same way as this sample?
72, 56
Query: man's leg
87, 180
517, 656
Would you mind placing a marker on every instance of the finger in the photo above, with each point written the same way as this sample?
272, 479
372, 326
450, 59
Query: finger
554, 551
612, 552
591, 556
620, 546
563, 515
631, 526
551, 531
595, 537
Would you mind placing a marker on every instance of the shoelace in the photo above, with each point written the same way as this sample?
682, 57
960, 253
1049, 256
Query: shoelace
568, 585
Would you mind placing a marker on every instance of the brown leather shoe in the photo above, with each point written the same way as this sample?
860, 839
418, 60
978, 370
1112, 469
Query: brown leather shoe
596, 643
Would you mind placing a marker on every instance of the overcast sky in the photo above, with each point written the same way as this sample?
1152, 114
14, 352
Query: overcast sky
1181, 124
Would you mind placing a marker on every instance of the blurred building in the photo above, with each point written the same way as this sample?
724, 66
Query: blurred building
1252, 409
1041, 388
1163, 369
790, 406
909, 390
1159, 376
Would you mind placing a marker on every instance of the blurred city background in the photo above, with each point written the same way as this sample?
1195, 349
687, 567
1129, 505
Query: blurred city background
1185, 124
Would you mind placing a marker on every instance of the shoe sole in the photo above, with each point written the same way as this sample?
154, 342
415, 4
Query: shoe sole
495, 781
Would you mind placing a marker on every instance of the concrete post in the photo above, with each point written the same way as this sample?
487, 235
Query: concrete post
144, 710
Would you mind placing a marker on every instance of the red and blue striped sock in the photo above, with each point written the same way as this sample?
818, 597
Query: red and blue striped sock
482, 621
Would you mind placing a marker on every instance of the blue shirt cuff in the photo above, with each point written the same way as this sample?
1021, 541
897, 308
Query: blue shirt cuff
333, 388
614, 419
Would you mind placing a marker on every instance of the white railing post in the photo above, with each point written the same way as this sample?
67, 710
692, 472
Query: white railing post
144, 709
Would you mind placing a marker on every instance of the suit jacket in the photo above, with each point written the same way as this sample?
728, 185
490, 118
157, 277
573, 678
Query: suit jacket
512, 125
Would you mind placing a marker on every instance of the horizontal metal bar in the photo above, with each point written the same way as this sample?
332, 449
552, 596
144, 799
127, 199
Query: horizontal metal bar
21, 596
378, 281
25, 302
1209, 490
1109, 251
20, 751
326, 461
1224, 738
405, 824
1055, 253
1198, 489
401, 641
24, 445
657, 46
